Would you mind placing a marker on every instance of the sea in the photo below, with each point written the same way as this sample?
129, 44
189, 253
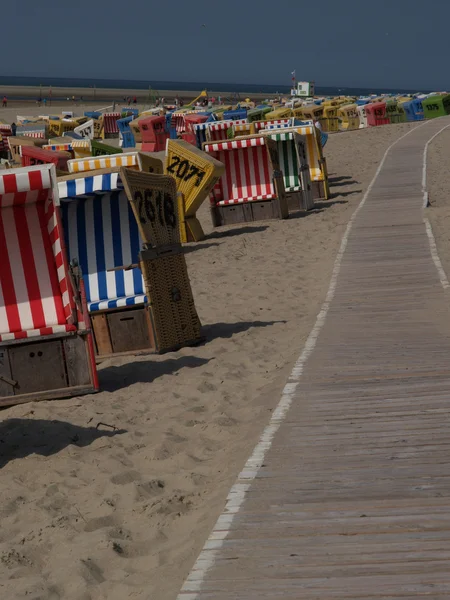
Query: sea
194, 86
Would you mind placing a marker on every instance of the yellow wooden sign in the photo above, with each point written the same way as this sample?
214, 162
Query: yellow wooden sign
195, 173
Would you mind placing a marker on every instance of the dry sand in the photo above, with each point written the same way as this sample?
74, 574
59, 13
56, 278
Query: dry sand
90, 513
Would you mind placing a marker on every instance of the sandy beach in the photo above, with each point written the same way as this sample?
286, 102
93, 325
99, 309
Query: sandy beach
96, 95
111, 496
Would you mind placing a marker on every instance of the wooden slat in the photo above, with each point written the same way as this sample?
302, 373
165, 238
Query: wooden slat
353, 499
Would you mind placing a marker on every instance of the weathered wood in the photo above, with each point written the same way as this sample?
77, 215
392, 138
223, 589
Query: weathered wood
102, 336
6, 389
77, 362
129, 330
353, 498
38, 367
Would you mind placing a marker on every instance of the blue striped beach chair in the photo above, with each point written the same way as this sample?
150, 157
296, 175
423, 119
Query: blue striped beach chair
101, 234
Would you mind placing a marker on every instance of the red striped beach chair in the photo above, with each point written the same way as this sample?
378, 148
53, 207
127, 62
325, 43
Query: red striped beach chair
110, 127
252, 187
5, 132
223, 130
46, 348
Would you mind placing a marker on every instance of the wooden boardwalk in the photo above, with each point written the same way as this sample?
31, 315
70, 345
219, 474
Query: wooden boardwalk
353, 498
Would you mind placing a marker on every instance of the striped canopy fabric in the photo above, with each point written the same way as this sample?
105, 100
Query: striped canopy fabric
218, 131
58, 147
288, 160
101, 233
248, 173
78, 165
5, 132
277, 123
36, 297
110, 122
313, 147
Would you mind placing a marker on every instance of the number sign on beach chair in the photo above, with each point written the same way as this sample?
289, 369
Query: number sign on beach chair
46, 348
292, 151
162, 262
252, 187
195, 173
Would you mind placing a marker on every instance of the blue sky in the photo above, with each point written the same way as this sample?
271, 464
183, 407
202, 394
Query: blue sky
363, 43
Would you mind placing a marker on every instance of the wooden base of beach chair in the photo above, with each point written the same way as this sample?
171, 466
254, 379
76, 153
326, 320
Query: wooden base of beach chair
318, 190
249, 212
296, 202
122, 331
45, 368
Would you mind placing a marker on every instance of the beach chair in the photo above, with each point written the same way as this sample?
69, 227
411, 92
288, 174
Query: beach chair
243, 130
60, 147
81, 148
46, 348
362, 115
110, 127
102, 149
32, 155
103, 235
279, 113
98, 128
85, 130
315, 159
348, 117
436, 106
395, 111
191, 132
125, 134
222, 130
154, 134
195, 173
238, 114
330, 121
5, 133
257, 114
293, 161
252, 186
376, 114
277, 123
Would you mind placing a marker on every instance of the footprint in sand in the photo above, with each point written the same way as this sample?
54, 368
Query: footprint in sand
126, 477
100, 523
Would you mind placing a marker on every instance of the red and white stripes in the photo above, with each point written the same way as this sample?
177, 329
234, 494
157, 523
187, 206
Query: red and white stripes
36, 297
248, 172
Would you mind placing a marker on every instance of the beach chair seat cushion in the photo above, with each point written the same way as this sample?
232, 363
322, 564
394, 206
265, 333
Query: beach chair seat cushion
117, 302
102, 234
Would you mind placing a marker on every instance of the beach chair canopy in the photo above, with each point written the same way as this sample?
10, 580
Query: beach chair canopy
36, 296
101, 233
248, 172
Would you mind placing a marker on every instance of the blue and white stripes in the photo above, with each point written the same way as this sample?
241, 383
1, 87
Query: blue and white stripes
80, 186
102, 233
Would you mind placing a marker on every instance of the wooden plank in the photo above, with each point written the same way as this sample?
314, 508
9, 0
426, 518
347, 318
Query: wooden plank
77, 363
38, 367
129, 330
6, 388
102, 336
352, 499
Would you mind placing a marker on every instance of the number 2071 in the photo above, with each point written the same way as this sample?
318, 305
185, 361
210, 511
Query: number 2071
182, 169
